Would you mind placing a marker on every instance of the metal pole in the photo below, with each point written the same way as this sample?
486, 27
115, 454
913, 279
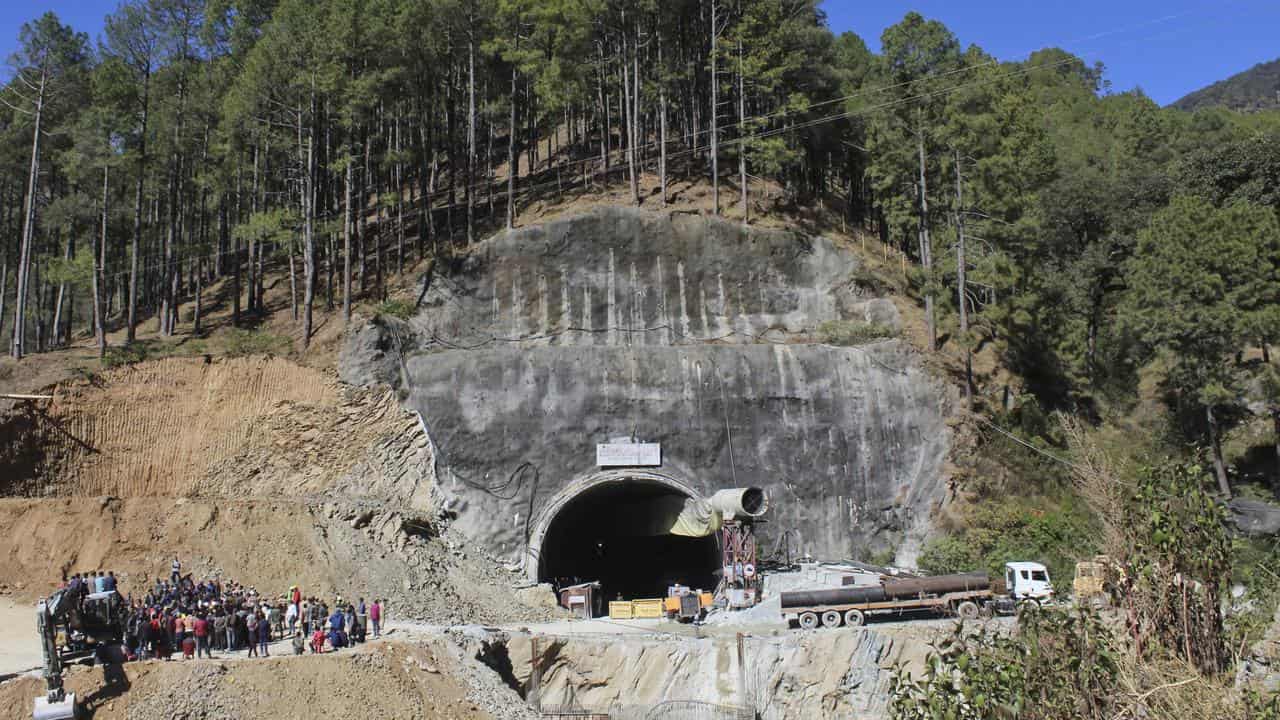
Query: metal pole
535, 675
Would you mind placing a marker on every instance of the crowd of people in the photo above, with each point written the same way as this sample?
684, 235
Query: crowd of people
195, 617
90, 583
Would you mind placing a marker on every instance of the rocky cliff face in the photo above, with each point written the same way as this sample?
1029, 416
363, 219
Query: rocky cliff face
694, 333
789, 676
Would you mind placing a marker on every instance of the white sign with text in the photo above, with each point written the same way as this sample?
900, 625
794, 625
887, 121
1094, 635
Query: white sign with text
628, 454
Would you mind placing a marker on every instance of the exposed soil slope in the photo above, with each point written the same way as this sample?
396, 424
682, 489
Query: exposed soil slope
255, 469
383, 680
325, 549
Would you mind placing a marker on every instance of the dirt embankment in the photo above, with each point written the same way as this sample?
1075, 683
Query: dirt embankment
325, 549
245, 427
382, 680
255, 469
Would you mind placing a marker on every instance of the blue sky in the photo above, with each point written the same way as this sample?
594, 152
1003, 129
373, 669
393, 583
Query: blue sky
1168, 48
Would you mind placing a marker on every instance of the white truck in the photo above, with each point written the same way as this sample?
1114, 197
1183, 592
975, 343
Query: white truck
967, 595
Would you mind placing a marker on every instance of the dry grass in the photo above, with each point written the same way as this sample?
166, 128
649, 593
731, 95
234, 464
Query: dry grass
1097, 474
1174, 690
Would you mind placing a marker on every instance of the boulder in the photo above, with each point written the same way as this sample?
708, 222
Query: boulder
1254, 517
537, 596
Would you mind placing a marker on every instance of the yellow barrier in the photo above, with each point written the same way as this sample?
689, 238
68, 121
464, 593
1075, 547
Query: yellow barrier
647, 608
620, 610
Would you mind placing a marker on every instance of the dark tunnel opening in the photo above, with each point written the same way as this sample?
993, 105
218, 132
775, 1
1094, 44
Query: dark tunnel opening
595, 537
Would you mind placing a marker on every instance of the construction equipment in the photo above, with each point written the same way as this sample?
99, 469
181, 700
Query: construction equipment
73, 626
741, 508
1095, 579
686, 604
681, 603
966, 595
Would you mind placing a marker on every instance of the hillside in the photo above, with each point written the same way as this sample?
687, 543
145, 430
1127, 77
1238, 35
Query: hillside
1257, 88
484, 308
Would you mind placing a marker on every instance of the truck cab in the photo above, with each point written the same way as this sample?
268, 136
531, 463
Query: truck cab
1028, 581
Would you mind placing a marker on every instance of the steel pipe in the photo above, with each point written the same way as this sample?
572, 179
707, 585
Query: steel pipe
837, 596
889, 590
937, 585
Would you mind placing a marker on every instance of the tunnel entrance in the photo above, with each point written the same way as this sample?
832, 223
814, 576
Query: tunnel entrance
600, 535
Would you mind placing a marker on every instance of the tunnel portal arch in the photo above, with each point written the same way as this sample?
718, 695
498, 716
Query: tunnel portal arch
565, 531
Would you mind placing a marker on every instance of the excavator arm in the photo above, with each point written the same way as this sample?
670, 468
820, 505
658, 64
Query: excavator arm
57, 704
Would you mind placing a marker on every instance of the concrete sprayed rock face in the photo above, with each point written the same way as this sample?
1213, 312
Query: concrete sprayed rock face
696, 334
793, 676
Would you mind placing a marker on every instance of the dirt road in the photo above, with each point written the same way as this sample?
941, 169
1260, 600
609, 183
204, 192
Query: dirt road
20, 650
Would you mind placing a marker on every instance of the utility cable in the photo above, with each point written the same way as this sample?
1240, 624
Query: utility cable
1024, 443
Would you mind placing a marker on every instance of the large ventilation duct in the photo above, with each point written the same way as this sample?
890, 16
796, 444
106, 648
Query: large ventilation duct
669, 515
740, 503
687, 516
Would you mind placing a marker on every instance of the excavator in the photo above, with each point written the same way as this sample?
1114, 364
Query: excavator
74, 625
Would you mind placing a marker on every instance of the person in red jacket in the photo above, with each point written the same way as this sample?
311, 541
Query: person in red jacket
375, 616
201, 631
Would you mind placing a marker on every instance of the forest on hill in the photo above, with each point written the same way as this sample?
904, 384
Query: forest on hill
1078, 233
1257, 88
1112, 255
199, 139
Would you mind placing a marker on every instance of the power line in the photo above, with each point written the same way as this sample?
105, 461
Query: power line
991, 424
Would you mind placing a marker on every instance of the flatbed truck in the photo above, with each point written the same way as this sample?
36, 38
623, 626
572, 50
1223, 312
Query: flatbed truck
967, 596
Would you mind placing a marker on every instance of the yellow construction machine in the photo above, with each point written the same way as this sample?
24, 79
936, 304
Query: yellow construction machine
1096, 580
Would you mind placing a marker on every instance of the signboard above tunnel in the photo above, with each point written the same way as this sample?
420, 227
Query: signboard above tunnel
628, 454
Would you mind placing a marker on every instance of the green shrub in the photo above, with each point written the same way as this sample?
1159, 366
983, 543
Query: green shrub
1259, 706
1255, 564
1057, 532
853, 332
882, 557
402, 309
1055, 665
949, 554
240, 342
1177, 545
118, 355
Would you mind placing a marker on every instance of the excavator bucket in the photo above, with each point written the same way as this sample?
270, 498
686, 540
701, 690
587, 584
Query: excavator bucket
45, 710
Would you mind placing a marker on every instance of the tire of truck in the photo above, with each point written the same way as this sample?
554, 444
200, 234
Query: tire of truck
831, 619
854, 618
967, 610
808, 620
1028, 607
